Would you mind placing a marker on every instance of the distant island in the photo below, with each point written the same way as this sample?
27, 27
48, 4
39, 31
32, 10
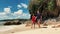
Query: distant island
14, 21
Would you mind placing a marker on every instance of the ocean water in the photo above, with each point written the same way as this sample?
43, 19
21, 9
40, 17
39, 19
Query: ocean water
2, 22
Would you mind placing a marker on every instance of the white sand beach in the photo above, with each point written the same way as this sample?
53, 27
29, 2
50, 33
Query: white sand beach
21, 29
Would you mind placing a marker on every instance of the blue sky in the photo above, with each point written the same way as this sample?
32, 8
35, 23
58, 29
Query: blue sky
13, 9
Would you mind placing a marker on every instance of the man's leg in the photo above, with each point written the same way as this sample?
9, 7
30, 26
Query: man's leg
39, 23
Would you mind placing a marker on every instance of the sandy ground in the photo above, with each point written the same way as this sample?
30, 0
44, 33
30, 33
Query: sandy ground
21, 29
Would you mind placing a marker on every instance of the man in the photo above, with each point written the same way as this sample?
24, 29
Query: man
39, 17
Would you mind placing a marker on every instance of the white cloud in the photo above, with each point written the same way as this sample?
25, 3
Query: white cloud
18, 17
2, 14
7, 10
19, 6
29, 14
15, 16
24, 5
19, 12
24, 14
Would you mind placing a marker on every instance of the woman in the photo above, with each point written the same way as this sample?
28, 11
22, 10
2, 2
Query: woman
33, 20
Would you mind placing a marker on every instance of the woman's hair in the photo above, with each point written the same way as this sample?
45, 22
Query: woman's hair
32, 14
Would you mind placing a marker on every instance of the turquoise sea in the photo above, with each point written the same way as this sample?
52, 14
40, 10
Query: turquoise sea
2, 22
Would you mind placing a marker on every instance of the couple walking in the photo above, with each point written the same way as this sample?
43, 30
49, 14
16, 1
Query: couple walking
37, 18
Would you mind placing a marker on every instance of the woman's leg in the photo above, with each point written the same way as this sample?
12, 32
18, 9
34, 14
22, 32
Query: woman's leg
31, 24
34, 25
